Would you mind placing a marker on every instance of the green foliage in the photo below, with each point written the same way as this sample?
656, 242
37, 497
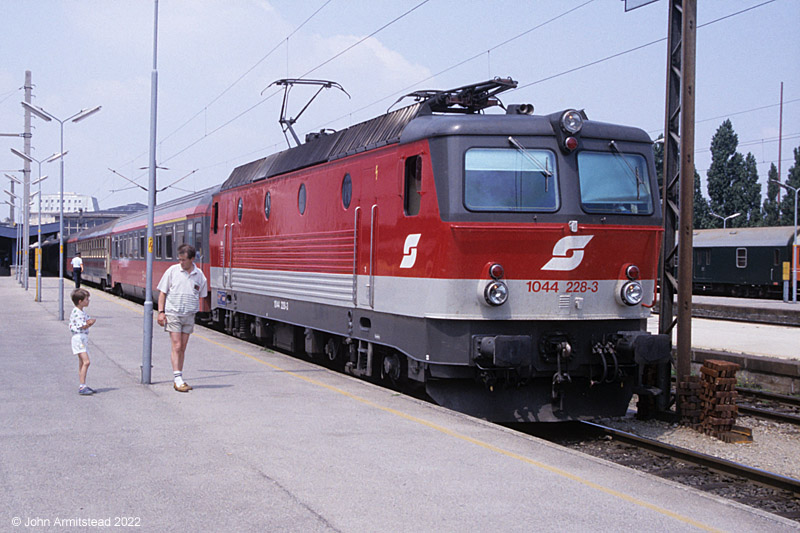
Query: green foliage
787, 197
770, 212
733, 180
702, 217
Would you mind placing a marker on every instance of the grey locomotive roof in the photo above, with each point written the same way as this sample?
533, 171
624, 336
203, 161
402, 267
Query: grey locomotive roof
406, 125
731, 237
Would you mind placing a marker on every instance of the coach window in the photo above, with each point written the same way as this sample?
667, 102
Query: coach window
168, 244
301, 199
776, 257
239, 209
141, 245
741, 258
198, 240
412, 185
158, 243
267, 205
347, 190
179, 231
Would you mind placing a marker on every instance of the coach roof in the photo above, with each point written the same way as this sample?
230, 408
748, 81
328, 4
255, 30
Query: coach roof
775, 236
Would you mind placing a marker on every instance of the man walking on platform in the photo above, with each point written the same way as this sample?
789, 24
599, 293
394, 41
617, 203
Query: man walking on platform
181, 288
77, 268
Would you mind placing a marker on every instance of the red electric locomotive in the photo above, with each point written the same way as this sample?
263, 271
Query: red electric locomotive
507, 262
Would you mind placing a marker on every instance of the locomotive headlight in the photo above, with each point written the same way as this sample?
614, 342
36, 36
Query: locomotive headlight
632, 293
496, 293
571, 121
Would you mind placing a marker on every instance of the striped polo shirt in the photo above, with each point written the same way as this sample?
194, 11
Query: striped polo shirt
183, 289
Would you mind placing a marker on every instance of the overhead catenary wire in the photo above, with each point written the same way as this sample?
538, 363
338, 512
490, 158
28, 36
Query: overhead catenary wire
268, 97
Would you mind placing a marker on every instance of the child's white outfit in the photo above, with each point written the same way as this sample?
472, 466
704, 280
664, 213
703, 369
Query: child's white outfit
80, 337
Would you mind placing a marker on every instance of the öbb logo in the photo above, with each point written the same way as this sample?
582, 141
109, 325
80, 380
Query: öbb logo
560, 261
410, 250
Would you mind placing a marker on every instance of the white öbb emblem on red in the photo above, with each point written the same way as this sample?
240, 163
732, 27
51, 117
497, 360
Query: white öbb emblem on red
560, 261
410, 250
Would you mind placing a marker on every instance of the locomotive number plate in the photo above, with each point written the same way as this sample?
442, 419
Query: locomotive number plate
562, 286
283, 305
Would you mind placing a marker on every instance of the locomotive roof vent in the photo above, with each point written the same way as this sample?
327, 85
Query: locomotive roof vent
314, 135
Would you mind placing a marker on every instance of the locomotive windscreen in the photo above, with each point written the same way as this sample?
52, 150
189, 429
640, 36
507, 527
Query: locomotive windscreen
510, 180
614, 183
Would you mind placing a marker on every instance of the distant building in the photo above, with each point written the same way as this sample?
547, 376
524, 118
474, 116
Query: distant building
75, 222
81, 211
73, 203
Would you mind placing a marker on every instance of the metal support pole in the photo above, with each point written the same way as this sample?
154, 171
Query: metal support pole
678, 188
26, 175
686, 223
147, 337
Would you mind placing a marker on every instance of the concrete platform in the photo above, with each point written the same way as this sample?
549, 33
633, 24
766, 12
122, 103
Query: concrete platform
746, 310
266, 442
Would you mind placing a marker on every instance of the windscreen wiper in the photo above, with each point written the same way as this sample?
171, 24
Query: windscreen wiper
542, 167
634, 171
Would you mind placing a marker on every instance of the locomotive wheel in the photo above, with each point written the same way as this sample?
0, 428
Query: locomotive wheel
333, 353
392, 368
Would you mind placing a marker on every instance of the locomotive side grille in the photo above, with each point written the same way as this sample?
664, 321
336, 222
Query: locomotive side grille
330, 252
323, 288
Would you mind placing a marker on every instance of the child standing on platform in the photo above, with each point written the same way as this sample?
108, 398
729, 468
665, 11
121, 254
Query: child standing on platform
79, 324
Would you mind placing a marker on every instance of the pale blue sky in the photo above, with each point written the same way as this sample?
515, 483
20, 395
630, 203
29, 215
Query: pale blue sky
95, 52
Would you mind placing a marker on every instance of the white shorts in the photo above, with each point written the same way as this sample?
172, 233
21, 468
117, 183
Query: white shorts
80, 343
179, 324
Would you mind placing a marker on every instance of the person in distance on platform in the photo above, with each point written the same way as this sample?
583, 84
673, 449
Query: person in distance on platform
79, 324
77, 268
181, 288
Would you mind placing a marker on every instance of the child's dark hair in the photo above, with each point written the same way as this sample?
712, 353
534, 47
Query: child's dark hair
79, 295
187, 249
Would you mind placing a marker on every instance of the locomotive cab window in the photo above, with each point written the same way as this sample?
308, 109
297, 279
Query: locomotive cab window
509, 179
215, 217
741, 258
412, 185
612, 182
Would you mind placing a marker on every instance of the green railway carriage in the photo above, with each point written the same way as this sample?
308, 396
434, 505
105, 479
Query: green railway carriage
741, 261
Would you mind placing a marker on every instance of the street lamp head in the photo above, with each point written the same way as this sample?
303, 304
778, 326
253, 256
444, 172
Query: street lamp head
26, 157
84, 113
12, 178
734, 215
54, 157
38, 111
39, 180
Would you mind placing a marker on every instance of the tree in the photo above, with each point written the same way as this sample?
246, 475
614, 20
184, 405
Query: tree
771, 213
658, 156
733, 179
787, 202
746, 195
702, 217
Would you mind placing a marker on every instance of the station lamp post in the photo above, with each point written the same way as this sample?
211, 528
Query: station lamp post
16, 226
47, 117
39, 181
724, 219
794, 248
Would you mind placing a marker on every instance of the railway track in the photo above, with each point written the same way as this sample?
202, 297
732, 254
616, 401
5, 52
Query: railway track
762, 404
750, 486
